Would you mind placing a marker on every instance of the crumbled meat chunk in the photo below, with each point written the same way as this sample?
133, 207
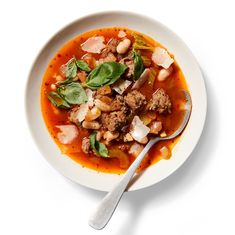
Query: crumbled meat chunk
124, 147
160, 102
82, 76
104, 90
129, 62
109, 136
135, 100
118, 104
114, 120
86, 145
130, 70
112, 44
73, 114
108, 58
110, 47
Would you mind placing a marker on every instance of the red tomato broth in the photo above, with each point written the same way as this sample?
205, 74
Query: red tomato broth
53, 116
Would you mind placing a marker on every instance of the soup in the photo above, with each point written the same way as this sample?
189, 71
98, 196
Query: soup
106, 93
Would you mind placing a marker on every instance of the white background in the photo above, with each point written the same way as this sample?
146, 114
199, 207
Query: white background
198, 199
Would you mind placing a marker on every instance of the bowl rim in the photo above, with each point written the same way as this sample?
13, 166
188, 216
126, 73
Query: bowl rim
101, 13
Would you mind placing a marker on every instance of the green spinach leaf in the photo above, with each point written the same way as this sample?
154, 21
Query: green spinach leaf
57, 100
105, 74
99, 148
83, 65
73, 93
71, 69
138, 65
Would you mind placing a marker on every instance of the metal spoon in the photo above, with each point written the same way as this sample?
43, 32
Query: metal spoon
106, 208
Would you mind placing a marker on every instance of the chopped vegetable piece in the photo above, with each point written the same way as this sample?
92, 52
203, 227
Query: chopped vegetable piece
141, 43
58, 101
99, 148
73, 93
105, 74
83, 65
138, 65
121, 156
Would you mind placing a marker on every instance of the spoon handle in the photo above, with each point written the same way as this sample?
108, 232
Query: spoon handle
105, 209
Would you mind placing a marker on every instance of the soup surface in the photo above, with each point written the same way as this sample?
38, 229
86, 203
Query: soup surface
106, 93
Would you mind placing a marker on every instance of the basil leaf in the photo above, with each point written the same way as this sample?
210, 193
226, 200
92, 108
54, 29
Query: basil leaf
105, 74
99, 148
140, 43
73, 93
138, 65
57, 100
71, 69
83, 65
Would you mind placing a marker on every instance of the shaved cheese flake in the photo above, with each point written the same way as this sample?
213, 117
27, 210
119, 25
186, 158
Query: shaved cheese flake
90, 98
82, 112
142, 79
161, 57
93, 44
67, 133
121, 85
138, 130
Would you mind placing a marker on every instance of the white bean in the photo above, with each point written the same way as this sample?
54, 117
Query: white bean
53, 87
164, 74
123, 46
102, 106
91, 125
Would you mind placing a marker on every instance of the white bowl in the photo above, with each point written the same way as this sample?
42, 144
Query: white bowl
188, 64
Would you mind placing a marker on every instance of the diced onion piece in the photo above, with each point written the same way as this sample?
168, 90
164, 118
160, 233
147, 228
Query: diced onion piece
121, 34
163, 134
138, 130
165, 152
82, 112
136, 149
121, 85
94, 44
90, 99
161, 57
67, 133
142, 79
155, 127
127, 137
109, 136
